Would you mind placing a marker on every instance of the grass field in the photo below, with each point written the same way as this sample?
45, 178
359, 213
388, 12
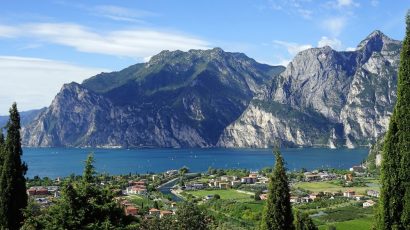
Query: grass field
229, 194
357, 224
329, 187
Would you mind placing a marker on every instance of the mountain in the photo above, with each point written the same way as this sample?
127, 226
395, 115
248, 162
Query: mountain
177, 99
325, 98
212, 98
26, 117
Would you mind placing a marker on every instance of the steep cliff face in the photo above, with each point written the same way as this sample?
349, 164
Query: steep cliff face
352, 92
207, 98
177, 99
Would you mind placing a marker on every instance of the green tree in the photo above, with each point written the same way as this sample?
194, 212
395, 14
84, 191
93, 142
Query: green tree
277, 213
84, 205
13, 197
394, 210
190, 217
303, 222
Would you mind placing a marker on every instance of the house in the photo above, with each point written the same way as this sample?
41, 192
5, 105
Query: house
368, 203
348, 177
311, 176
313, 196
358, 168
294, 200
253, 175
195, 186
373, 193
171, 172
305, 199
224, 185
131, 210
37, 191
358, 197
225, 178
248, 180
263, 196
137, 189
165, 213
154, 212
349, 193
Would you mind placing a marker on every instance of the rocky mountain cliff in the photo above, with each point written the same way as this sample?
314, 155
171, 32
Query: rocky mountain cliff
177, 99
325, 98
208, 98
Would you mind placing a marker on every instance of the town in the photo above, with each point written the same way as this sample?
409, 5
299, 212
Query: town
157, 195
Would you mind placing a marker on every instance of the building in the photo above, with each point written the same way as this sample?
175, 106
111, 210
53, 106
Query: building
37, 191
263, 196
224, 185
154, 212
373, 193
368, 203
137, 189
195, 186
312, 177
248, 180
165, 213
357, 168
348, 177
294, 200
349, 193
131, 210
313, 196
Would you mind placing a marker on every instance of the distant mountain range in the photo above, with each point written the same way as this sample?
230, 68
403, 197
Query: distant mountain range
212, 98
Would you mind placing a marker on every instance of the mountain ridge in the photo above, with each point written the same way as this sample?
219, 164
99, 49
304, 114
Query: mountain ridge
213, 98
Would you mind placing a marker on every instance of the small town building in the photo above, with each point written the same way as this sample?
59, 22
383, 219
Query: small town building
154, 212
368, 203
131, 210
165, 213
349, 193
373, 193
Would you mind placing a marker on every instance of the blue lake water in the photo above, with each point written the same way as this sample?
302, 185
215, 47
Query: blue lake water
55, 162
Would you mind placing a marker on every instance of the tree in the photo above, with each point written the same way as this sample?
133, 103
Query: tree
394, 210
13, 197
84, 205
303, 222
277, 213
190, 217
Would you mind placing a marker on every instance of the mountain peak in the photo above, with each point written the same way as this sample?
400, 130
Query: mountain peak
375, 41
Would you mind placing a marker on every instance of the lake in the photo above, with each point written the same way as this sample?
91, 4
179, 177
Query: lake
58, 162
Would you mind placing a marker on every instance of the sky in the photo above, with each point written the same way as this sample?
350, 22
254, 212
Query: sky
44, 44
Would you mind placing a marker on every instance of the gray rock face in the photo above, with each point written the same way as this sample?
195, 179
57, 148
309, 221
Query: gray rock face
177, 99
352, 92
208, 98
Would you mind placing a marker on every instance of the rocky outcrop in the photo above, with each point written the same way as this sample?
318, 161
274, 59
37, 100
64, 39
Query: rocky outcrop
177, 99
354, 93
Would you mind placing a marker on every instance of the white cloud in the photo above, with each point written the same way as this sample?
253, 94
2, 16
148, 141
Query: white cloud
33, 82
118, 13
292, 48
334, 25
134, 43
8, 31
335, 43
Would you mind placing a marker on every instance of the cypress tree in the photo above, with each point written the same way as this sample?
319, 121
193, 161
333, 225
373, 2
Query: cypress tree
394, 210
13, 197
278, 211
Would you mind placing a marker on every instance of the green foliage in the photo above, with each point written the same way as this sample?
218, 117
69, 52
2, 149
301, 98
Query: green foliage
278, 211
190, 217
395, 172
13, 197
83, 205
303, 222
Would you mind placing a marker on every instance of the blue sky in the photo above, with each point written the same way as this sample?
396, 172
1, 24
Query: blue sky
47, 43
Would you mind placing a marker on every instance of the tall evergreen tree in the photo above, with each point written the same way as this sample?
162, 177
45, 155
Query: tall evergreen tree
395, 173
278, 211
13, 197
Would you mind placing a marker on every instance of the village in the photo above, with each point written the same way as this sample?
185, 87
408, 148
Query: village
141, 195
